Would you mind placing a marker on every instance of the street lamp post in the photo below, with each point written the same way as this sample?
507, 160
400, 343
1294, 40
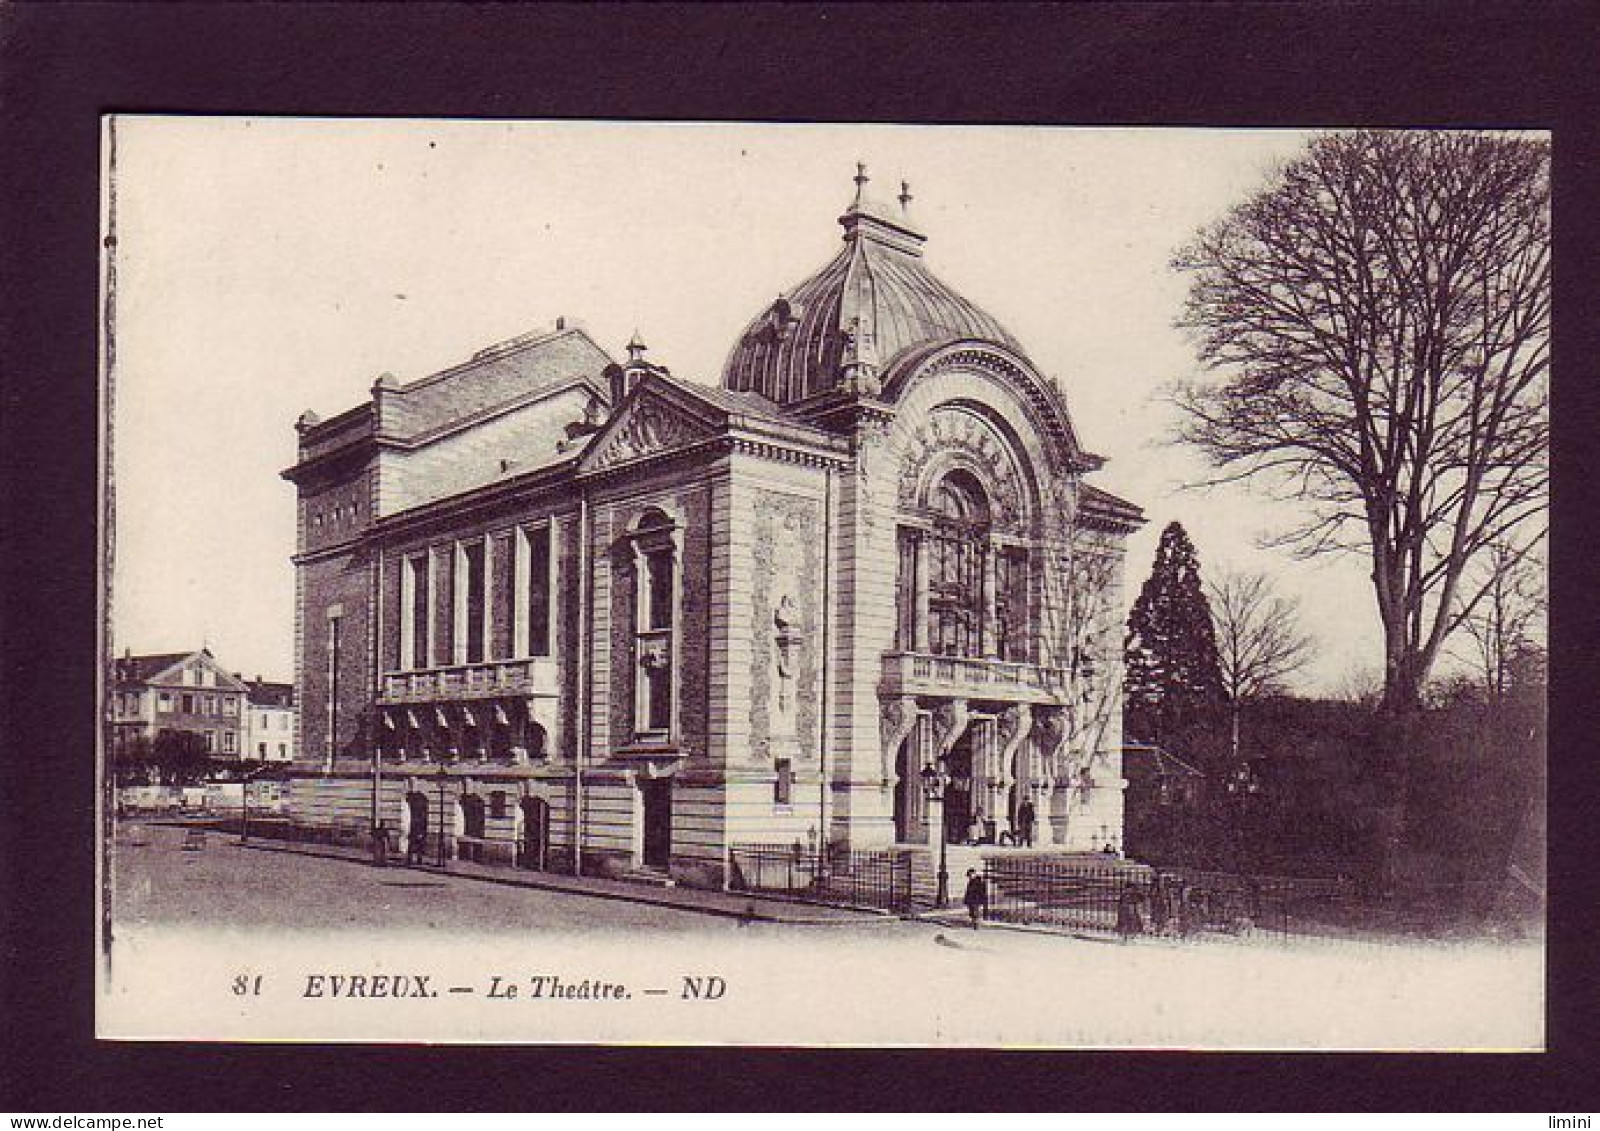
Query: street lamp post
936, 784
443, 776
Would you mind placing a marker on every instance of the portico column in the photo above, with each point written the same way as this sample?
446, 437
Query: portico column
1048, 752
1014, 725
950, 720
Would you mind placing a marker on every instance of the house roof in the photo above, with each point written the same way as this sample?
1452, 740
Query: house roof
266, 693
132, 670
142, 669
1153, 761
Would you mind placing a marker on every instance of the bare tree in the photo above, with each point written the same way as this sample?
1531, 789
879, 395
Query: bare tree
1508, 621
1259, 641
1381, 313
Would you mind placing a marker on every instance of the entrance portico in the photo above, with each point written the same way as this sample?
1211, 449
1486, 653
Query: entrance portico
997, 756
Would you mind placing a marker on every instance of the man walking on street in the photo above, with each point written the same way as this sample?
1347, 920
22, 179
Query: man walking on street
977, 897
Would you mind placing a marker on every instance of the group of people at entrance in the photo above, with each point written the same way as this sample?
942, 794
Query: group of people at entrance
981, 831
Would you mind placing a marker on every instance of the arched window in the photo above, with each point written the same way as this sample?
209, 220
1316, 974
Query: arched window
957, 550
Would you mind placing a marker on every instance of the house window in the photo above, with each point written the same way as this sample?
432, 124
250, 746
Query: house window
471, 619
415, 605
261, 750
533, 591
783, 784
164, 700
230, 705
227, 742
188, 703
497, 804
282, 751
655, 559
211, 741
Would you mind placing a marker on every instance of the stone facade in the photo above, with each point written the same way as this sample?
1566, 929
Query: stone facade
565, 609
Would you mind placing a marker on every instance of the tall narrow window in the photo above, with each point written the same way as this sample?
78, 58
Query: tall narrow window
414, 618
335, 641
655, 553
1011, 604
538, 543
474, 602
905, 594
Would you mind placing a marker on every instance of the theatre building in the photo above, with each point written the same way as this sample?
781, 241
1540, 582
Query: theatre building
550, 600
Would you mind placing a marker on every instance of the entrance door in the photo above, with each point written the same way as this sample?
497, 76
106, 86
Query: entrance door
416, 827
469, 845
958, 795
657, 796
534, 849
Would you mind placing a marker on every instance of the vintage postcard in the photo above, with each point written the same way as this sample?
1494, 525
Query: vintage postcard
837, 585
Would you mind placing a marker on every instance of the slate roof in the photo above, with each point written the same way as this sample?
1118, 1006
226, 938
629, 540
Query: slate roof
265, 693
795, 347
141, 669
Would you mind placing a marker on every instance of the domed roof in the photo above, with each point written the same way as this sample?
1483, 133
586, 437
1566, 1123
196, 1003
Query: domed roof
846, 324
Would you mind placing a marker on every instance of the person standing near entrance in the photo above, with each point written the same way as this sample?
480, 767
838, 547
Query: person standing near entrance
1025, 818
977, 897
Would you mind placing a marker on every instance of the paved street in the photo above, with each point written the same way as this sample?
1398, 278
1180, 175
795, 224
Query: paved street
268, 884
835, 977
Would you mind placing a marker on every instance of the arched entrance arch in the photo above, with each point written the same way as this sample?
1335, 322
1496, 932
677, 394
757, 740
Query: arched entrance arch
469, 821
414, 827
533, 833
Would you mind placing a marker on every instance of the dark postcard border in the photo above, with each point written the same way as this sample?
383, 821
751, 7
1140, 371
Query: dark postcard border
1462, 63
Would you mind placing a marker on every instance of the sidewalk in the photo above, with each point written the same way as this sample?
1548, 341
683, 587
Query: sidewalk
726, 904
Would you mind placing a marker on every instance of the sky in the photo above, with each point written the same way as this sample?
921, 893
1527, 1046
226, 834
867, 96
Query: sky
270, 266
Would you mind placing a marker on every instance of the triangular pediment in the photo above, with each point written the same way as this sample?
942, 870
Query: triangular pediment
648, 424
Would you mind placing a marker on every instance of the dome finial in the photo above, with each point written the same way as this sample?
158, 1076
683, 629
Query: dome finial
861, 180
636, 347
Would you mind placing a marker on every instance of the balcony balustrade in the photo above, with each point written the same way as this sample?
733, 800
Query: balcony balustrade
471, 681
916, 673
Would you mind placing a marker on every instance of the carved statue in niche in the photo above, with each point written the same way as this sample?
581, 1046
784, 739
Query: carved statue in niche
786, 641
784, 602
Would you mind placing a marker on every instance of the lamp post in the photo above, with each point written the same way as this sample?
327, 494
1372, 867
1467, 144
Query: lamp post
936, 784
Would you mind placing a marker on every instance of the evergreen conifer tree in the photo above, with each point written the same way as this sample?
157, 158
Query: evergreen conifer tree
1173, 679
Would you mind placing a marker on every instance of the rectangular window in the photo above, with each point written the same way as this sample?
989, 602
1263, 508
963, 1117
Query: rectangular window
783, 784
538, 543
188, 703
497, 804
414, 582
335, 640
282, 752
906, 593
164, 701
659, 614
473, 603
211, 741
230, 705
261, 749
227, 742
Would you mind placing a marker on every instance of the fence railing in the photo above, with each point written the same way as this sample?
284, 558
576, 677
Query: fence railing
1135, 899
855, 878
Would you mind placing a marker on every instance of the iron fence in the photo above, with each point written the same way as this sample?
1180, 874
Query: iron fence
854, 878
1136, 899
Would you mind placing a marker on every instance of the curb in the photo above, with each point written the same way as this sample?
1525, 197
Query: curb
746, 915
